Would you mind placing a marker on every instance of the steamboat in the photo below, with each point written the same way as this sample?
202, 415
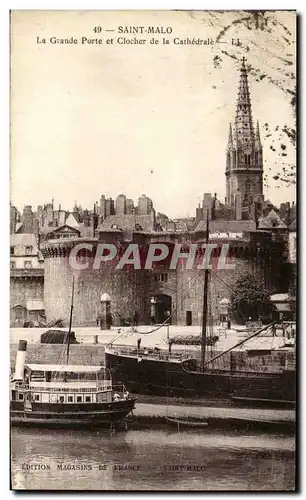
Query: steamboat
66, 395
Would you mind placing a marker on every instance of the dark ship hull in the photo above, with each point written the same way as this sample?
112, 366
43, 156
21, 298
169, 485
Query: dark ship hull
91, 415
177, 379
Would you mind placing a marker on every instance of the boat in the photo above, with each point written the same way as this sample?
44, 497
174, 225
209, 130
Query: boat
155, 371
186, 422
144, 372
66, 395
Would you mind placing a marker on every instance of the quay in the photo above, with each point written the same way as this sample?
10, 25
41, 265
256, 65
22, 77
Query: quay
154, 410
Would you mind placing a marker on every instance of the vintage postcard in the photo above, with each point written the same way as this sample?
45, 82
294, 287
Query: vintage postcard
153, 250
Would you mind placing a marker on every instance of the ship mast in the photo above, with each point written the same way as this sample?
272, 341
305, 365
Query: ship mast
70, 321
205, 297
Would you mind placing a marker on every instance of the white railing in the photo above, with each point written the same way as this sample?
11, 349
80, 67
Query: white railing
69, 386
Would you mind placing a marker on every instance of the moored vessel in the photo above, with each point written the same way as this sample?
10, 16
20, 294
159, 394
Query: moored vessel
267, 380
66, 395
148, 371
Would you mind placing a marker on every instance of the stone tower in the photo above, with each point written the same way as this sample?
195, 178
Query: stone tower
244, 162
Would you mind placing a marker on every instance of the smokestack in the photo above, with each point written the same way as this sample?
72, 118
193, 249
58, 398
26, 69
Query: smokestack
20, 360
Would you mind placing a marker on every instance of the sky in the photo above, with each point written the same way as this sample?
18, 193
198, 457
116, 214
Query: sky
110, 118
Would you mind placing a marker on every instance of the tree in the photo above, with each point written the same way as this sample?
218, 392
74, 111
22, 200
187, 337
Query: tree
250, 299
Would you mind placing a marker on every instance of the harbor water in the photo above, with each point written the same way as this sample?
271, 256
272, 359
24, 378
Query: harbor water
164, 459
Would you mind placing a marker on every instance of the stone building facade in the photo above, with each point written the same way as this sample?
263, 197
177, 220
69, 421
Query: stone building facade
152, 294
26, 296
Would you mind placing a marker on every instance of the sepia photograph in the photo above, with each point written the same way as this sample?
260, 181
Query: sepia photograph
153, 242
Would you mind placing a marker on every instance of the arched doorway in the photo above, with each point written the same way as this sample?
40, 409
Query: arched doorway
161, 308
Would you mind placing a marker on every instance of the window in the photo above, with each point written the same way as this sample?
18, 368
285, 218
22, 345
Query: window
12, 250
62, 399
37, 397
20, 396
79, 399
19, 313
88, 399
13, 265
28, 250
161, 278
28, 264
70, 399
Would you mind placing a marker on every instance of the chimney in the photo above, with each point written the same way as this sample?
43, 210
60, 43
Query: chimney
238, 206
27, 219
20, 360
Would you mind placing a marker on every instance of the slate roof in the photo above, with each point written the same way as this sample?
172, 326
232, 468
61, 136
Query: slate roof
128, 222
292, 226
73, 219
44, 230
271, 221
227, 226
23, 239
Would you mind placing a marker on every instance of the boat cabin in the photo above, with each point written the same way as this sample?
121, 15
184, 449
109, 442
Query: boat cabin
65, 384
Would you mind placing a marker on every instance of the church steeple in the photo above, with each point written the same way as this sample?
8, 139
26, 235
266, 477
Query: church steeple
244, 129
230, 144
257, 137
244, 165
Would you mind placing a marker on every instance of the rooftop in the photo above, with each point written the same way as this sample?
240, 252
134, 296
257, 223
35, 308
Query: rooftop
227, 226
64, 368
128, 222
24, 239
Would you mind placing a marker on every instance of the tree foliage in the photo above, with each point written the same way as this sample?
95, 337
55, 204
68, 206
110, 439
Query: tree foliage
250, 299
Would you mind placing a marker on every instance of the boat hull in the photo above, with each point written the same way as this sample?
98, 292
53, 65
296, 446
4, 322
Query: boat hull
71, 415
172, 379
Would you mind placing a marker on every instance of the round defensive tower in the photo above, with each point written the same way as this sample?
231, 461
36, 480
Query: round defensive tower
145, 296
126, 287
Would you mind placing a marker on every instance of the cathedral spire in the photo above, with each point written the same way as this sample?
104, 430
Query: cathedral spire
244, 161
244, 129
230, 144
257, 137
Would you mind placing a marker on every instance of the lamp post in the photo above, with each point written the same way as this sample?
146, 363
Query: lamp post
224, 316
105, 312
153, 310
